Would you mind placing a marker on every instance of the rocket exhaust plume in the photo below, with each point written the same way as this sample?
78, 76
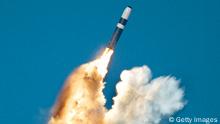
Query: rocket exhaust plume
81, 100
139, 99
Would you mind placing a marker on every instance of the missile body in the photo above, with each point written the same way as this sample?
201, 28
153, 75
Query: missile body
120, 27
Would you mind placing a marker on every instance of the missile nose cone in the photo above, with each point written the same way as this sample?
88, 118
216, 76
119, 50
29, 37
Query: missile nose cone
127, 12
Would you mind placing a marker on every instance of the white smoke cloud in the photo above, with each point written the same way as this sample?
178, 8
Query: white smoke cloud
142, 100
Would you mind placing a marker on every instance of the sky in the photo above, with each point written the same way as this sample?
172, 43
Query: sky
43, 41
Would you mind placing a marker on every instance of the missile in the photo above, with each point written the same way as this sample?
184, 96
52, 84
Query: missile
120, 27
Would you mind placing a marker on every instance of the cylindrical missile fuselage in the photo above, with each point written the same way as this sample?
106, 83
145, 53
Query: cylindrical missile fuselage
120, 27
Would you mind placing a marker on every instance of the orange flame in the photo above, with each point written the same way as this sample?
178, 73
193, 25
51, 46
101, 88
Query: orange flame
81, 101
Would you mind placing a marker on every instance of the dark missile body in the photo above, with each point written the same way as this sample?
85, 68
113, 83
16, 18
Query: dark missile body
120, 27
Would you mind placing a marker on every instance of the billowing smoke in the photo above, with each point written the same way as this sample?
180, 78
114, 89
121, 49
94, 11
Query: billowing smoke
81, 101
141, 100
